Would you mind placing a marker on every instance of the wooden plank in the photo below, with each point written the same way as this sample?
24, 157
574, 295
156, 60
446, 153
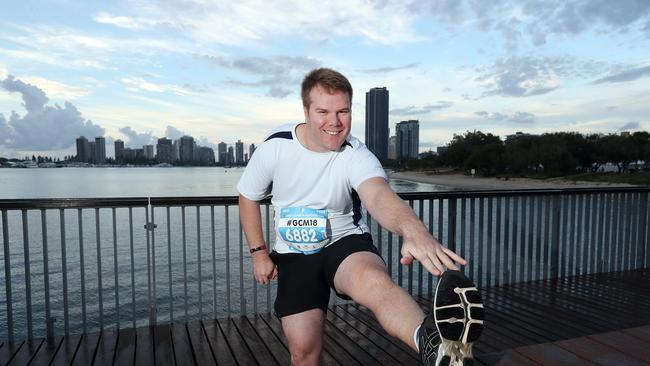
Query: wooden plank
87, 348
598, 353
506, 358
66, 353
625, 343
364, 317
386, 343
161, 346
279, 351
360, 341
47, 351
8, 351
200, 344
550, 354
182, 346
240, 350
642, 333
125, 348
26, 352
144, 346
336, 336
275, 325
218, 344
252, 339
106, 347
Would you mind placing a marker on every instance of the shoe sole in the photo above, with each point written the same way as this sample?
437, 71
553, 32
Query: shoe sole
458, 308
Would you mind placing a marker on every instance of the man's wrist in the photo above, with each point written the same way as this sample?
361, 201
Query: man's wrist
259, 248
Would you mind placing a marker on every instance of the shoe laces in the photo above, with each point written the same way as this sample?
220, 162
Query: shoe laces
457, 352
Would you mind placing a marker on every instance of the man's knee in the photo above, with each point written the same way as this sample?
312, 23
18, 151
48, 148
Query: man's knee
305, 354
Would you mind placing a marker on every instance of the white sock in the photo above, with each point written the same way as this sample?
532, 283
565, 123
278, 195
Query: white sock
415, 337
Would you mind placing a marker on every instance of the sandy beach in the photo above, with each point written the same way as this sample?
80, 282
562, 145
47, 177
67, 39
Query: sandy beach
466, 182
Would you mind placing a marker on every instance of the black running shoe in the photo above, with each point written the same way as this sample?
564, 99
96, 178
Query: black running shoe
428, 341
458, 316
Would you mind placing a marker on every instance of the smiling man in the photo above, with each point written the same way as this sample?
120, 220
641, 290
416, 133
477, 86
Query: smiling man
319, 176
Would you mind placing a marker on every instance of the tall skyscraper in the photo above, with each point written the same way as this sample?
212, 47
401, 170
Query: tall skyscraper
377, 122
100, 150
164, 151
408, 139
206, 155
223, 153
186, 149
83, 149
392, 147
148, 152
239, 152
93, 152
231, 156
119, 150
251, 150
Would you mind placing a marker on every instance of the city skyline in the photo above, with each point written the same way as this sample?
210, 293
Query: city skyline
139, 71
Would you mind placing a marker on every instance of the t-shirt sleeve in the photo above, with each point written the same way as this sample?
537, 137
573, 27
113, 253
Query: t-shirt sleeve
255, 182
364, 165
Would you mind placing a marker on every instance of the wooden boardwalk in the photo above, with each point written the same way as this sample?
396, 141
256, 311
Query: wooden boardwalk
591, 319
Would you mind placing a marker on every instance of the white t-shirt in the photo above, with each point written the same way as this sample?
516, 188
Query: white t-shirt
300, 178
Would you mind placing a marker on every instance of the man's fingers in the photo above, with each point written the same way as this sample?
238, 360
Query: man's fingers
446, 261
406, 259
454, 256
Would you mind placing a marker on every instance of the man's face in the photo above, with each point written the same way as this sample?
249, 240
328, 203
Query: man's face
328, 119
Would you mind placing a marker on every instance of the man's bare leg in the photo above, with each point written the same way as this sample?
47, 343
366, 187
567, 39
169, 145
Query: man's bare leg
364, 278
304, 332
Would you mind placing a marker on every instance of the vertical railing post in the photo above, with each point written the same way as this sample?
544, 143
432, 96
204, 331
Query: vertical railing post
28, 276
82, 270
9, 302
642, 227
555, 241
64, 273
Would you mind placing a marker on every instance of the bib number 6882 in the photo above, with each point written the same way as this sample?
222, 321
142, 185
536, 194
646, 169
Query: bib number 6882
301, 235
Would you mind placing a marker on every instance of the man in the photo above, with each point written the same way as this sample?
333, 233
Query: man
319, 175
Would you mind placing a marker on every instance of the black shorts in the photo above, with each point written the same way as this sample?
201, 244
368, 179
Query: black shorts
304, 281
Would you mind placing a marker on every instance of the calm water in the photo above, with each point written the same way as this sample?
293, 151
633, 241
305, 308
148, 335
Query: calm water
136, 182
187, 251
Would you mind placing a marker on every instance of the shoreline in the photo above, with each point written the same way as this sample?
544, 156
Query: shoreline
465, 182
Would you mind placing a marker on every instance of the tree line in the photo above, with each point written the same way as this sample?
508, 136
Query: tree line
549, 154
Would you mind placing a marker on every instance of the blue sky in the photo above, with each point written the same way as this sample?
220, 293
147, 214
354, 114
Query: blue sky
223, 71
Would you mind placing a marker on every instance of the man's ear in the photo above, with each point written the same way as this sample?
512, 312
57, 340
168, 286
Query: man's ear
306, 111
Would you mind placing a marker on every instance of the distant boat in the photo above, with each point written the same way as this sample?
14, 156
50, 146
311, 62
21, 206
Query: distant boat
27, 164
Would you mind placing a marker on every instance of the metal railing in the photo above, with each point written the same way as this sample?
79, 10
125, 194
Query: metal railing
74, 266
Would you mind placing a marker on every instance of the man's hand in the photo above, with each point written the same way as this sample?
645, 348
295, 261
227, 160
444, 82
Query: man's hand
394, 215
434, 257
264, 269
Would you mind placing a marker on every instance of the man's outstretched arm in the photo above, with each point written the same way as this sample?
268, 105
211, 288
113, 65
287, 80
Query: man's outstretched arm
251, 220
395, 215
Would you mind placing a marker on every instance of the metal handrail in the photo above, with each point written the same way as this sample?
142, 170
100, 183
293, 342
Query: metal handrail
189, 256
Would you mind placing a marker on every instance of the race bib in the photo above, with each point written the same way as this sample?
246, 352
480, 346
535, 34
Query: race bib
303, 228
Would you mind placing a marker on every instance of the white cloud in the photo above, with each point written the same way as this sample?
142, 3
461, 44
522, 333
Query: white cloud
43, 127
56, 89
239, 22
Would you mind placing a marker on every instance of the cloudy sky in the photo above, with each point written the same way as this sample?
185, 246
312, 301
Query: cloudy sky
226, 70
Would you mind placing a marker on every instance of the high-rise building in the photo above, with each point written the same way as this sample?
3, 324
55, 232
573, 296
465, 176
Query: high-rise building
251, 150
408, 139
93, 152
206, 155
148, 152
231, 156
186, 149
83, 149
100, 150
239, 152
377, 122
164, 151
119, 150
223, 153
392, 147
